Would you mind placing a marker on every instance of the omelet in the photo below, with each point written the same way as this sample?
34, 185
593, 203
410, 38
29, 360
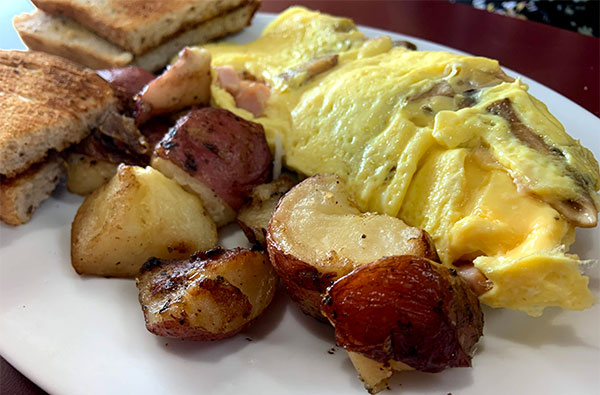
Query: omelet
448, 143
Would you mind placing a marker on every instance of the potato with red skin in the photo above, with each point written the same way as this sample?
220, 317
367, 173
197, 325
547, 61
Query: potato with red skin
317, 234
154, 130
219, 156
407, 309
127, 82
212, 295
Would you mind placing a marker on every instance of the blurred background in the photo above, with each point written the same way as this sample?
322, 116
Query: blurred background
581, 16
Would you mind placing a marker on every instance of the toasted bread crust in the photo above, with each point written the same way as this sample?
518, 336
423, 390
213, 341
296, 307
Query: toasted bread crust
41, 31
21, 195
215, 28
50, 103
64, 37
138, 25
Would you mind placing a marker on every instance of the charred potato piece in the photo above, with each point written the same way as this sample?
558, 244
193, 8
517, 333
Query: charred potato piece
254, 217
317, 234
219, 156
138, 214
404, 309
86, 174
212, 295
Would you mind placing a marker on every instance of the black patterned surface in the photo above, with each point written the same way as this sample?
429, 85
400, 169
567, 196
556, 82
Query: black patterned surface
582, 16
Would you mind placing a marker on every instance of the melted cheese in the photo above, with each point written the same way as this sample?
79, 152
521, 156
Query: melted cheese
411, 134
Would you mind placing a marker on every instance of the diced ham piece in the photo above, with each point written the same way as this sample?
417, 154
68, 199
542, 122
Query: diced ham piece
229, 79
249, 94
253, 97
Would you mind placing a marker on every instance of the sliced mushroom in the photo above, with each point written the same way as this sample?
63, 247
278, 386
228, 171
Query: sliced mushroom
310, 69
582, 211
405, 44
504, 109
442, 88
123, 129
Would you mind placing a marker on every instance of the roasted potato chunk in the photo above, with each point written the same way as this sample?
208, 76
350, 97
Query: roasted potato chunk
138, 214
219, 156
317, 234
220, 212
212, 295
254, 217
184, 83
86, 174
407, 310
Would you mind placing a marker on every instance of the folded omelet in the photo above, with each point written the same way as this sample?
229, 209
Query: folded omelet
446, 142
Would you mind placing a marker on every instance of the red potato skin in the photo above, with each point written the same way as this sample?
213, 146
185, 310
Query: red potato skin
304, 283
127, 82
407, 309
154, 131
223, 151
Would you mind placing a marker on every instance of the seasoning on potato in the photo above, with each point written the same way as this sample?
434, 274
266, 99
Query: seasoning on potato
408, 310
317, 234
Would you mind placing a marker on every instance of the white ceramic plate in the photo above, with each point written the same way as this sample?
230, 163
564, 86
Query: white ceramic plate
75, 335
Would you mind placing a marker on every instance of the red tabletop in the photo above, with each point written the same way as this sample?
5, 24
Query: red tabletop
565, 61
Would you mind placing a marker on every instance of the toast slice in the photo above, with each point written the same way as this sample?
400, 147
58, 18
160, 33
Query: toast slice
215, 28
138, 25
65, 37
21, 195
49, 103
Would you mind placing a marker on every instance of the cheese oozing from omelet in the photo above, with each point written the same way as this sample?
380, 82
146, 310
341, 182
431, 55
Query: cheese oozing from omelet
446, 142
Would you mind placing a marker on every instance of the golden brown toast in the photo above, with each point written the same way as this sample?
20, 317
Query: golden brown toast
49, 103
21, 195
138, 25
65, 37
